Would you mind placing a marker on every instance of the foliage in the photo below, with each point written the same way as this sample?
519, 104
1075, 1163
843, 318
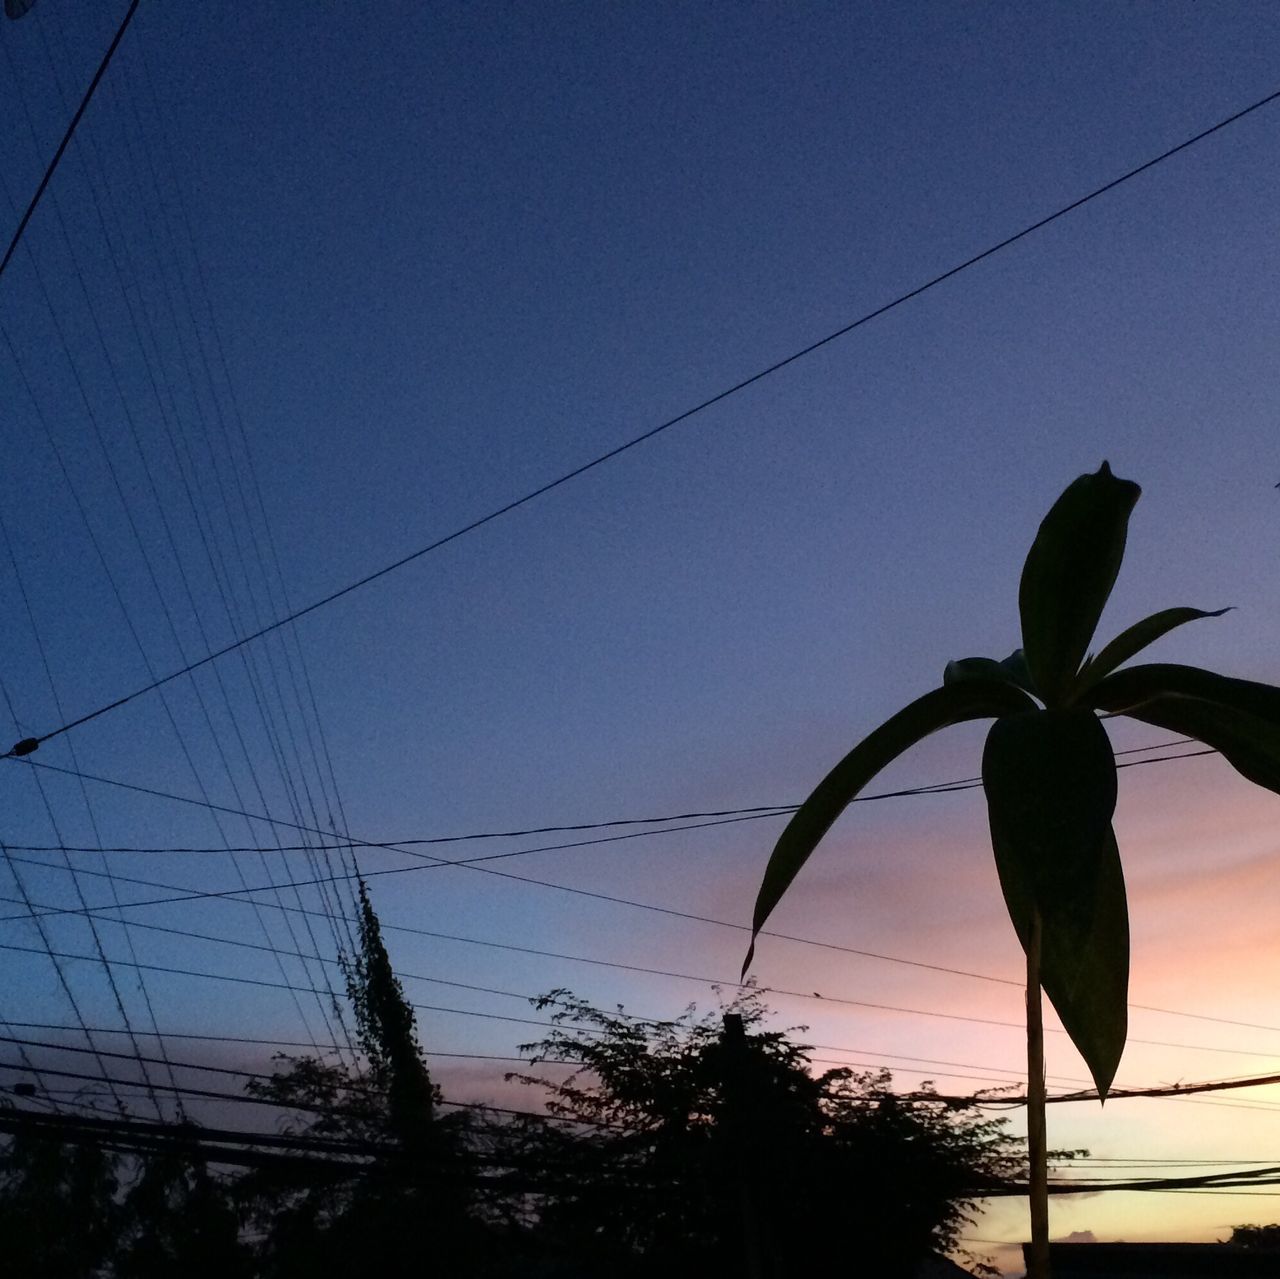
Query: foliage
1050, 777
177, 1218
413, 1199
1256, 1238
684, 1157
59, 1215
388, 1031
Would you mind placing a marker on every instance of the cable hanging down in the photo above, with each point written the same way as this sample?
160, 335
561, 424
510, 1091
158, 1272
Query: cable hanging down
30, 744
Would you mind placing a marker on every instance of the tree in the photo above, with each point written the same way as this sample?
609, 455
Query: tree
388, 1032
685, 1153
177, 1218
1050, 779
58, 1206
412, 1203
1256, 1238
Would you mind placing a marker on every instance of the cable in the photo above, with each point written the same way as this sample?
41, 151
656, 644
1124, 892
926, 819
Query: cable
29, 744
757, 811
329, 790
93, 822
66, 137
433, 1053
233, 894
129, 419
920, 1012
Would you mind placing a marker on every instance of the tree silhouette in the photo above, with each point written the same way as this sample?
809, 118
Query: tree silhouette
1050, 779
698, 1154
177, 1218
413, 1202
59, 1214
1256, 1238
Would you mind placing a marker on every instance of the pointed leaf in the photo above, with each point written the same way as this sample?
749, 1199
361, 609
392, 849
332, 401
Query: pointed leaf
1069, 573
1050, 779
1131, 641
952, 704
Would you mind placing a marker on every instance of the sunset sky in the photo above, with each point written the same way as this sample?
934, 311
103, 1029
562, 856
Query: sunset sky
455, 250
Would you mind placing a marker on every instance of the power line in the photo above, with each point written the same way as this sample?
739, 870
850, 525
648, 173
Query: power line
29, 744
755, 811
112, 255
508, 994
66, 137
434, 1053
89, 810
236, 894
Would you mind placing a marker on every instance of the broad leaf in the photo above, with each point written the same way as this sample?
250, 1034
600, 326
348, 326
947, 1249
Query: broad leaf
952, 704
1131, 641
1125, 691
1068, 575
1250, 744
1235, 716
1050, 779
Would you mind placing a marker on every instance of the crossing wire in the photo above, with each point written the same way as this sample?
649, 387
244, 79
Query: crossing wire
470, 863
129, 419
101, 555
755, 811
29, 744
327, 778
527, 998
119, 917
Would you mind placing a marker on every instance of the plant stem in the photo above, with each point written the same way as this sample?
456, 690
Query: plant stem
1037, 1145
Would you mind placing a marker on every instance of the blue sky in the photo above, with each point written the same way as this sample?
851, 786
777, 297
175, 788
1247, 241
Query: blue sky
455, 250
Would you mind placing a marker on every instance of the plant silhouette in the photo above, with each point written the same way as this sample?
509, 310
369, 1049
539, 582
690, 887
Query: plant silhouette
1049, 774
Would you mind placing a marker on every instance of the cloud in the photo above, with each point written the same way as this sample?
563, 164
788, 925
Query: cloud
1078, 1236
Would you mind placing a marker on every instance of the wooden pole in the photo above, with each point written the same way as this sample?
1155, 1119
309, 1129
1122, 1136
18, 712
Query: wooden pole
1037, 1141
738, 1119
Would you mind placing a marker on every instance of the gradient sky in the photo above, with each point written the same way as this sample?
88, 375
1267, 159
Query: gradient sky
454, 250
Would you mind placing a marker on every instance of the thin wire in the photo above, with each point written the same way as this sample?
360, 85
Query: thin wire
153, 488
101, 555
237, 419
525, 997
66, 137
756, 811
227, 600
30, 744
47, 949
93, 824
714, 983
234, 894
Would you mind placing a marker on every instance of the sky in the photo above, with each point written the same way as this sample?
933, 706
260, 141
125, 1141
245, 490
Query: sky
316, 286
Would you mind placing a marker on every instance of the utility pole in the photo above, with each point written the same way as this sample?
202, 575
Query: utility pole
740, 1140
